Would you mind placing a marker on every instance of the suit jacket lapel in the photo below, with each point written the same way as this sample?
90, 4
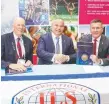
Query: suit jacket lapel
100, 48
25, 45
63, 44
13, 45
100, 45
50, 39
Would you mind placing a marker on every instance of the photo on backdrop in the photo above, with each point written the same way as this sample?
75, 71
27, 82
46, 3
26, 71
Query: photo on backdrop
35, 12
64, 9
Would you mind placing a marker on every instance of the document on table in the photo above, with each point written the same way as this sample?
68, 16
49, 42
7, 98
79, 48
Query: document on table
92, 69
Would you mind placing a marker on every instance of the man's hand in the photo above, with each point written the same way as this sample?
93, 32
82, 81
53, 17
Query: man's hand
95, 59
28, 63
60, 58
17, 67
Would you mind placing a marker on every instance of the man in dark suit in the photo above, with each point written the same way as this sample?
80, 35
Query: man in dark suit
55, 47
101, 51
16, 49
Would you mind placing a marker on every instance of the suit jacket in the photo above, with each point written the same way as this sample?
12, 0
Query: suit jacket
8, 49
46, 49
103, 50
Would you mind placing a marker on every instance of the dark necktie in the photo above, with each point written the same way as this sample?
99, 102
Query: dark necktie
57, 51
19, 48
94, 47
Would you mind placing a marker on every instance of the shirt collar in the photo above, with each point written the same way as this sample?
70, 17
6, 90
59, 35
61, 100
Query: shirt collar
16, 37
54, 36
98, 39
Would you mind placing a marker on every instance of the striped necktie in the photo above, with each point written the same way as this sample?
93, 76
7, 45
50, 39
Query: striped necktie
57, 51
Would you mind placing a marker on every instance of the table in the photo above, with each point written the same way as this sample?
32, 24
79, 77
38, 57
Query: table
83, 83
47, 72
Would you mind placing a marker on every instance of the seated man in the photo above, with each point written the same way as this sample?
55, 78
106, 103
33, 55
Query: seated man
16, 49
100, 43
55, 47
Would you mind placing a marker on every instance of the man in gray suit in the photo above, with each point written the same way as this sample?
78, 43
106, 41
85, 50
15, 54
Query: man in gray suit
100, 55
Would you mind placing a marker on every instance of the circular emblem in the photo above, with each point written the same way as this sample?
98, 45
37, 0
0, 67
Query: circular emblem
84, 57
56, 93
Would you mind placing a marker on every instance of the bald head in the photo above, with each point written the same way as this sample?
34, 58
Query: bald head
18, 26
18, 19
57, 20
57, 27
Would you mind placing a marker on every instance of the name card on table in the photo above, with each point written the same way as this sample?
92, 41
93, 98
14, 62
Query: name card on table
11, 71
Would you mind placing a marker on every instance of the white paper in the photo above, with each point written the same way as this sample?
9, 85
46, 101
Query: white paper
92, 69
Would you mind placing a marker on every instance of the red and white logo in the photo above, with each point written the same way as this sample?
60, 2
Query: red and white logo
57, 93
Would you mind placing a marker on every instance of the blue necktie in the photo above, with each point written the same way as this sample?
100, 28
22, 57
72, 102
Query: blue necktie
57, 51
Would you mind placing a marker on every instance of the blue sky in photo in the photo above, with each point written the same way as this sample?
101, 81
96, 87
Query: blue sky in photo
84, 29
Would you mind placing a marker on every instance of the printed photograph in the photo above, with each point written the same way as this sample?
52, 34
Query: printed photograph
64, 9
35, 12
85, 30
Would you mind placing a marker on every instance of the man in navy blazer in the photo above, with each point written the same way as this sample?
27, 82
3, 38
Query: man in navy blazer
9, 51
101, 57
46, 50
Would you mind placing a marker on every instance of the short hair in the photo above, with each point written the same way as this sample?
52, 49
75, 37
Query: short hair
30, 29
58, 19
96, 21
